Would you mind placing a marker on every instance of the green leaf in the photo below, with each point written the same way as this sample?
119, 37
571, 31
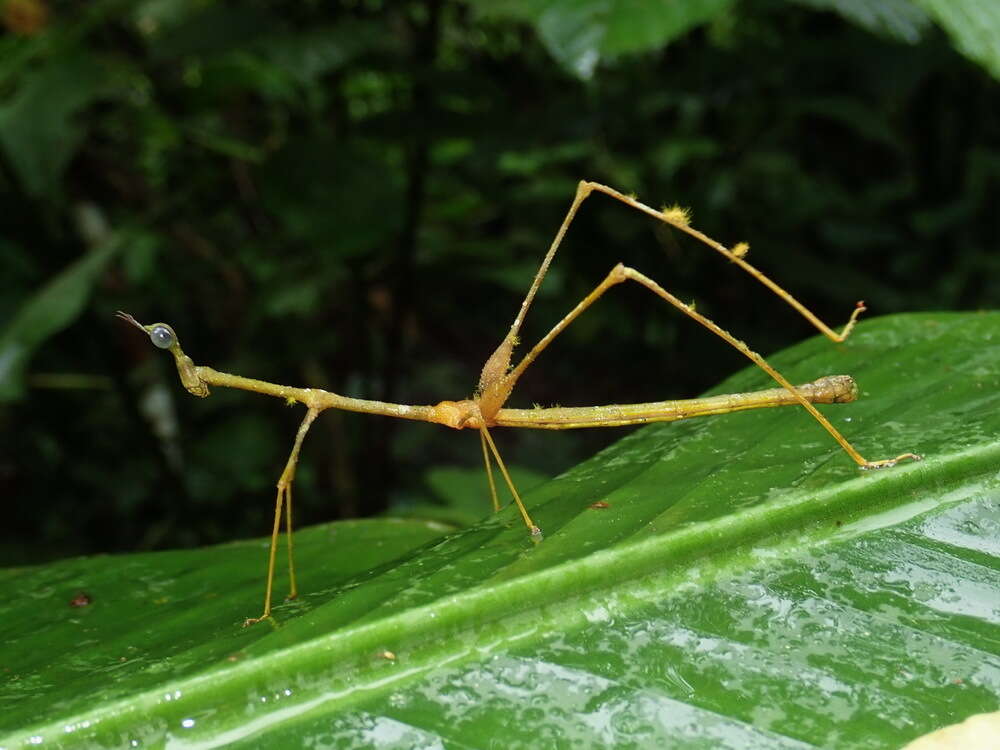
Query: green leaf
39, 132
637, 26
182, 29
343, 221
896, 19
579, 34
456, 493
739, 585
48, 311
974, 27
307, 55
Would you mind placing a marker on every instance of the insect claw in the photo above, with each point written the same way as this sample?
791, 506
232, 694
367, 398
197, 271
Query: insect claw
889, 462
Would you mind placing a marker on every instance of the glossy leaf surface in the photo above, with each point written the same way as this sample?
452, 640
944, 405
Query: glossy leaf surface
737, 584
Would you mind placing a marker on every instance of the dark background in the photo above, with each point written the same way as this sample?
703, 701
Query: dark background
355, 196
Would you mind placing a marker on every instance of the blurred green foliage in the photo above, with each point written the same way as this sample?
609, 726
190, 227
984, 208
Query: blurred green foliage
354, 196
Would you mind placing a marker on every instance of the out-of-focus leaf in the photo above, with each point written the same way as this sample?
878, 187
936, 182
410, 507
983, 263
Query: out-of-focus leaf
974, 27
896, 19
210, 136
636, 26
527, 162
574, 34
338, 197
48, 311
308, 55
15, 51
241, 71
580, 33
852, 115
38, 129
153, 16
194, 29
139, 257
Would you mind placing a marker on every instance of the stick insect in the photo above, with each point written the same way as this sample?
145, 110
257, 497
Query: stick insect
485, 409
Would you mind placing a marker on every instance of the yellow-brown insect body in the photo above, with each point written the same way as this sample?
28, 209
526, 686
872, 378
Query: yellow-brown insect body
485, 409
189, 373
457, 414
494, 385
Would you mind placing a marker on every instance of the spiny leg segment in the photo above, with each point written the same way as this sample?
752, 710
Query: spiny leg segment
284, 500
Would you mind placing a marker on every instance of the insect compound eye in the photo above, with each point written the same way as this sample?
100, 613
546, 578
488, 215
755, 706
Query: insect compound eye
162, 336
